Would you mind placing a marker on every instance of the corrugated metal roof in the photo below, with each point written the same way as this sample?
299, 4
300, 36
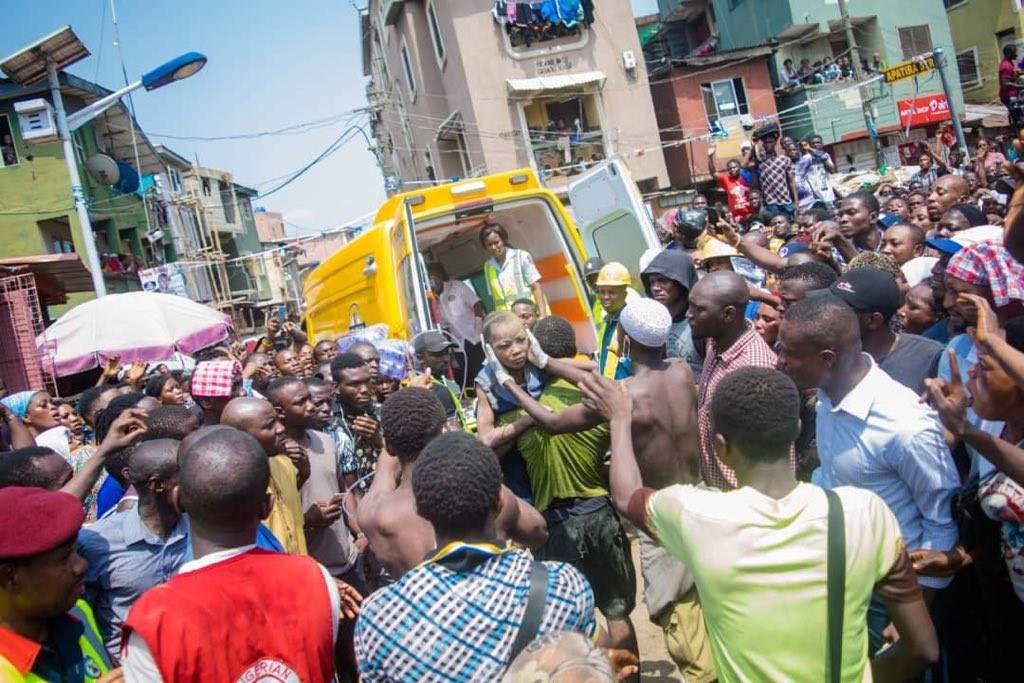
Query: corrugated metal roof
557, 82
67, 269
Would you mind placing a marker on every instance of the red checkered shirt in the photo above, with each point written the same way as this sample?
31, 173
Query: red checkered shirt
750, 350
215, 379
774, 172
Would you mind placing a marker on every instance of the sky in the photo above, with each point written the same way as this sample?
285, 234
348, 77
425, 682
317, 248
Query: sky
272, 64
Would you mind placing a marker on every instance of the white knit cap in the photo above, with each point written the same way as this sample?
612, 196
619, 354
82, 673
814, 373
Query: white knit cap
646, 322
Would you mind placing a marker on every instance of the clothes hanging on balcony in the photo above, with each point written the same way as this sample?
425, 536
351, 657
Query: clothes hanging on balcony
533, 15
565, 12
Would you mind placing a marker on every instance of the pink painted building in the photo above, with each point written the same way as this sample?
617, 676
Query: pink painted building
730, 90
269, 225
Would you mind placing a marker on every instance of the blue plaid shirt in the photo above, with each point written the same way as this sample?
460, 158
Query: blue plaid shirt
455, 617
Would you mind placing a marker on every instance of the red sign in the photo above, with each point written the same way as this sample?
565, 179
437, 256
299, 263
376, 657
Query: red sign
917, 112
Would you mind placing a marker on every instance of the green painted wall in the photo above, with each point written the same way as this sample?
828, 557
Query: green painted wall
974, 24
743, 23
40, 189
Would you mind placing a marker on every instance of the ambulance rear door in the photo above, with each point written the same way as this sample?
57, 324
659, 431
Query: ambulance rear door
610, 216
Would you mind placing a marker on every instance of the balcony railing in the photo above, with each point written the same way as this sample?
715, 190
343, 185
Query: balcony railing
567, 154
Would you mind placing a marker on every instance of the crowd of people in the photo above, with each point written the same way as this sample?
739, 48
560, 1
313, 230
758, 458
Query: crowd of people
828, 69
806, 408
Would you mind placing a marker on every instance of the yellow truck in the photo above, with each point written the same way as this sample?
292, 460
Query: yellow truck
373, 279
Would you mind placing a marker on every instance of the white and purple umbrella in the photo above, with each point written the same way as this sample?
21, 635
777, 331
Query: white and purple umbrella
137, 326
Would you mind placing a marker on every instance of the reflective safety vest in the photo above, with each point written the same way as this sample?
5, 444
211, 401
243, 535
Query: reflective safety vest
501, 299
608, 352
94, 653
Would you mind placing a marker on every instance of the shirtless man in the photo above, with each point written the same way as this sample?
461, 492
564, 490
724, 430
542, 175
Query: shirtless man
668, 452
399, 537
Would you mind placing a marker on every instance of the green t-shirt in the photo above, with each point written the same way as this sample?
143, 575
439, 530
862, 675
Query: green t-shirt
760, 565
564, 465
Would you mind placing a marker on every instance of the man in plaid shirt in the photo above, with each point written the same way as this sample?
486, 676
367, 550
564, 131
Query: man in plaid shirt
717, 305
455, 616
778, 184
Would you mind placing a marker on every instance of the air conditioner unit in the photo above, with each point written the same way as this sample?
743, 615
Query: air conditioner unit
36, 120
629, 60
154, 236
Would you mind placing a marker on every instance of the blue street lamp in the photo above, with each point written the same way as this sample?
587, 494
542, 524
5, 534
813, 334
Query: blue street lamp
59, 50
175, 70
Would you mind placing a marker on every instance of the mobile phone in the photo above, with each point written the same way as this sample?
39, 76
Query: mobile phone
712, 215
281, 312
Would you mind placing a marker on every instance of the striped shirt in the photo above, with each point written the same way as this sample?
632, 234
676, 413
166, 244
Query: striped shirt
750, 350
455, 617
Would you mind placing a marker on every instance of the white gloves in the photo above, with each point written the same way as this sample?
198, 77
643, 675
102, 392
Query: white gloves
500, 373
536, 355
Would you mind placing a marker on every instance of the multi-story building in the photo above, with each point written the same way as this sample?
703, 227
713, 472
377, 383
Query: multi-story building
37, 217
465, 87
229, 242
269, 225
813, 30
981, 29
699, 89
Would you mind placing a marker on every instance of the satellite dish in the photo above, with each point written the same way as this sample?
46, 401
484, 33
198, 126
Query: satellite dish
103, 169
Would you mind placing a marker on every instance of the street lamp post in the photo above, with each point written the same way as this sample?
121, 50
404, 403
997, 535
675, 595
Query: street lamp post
43, 60
92, 257
174, 70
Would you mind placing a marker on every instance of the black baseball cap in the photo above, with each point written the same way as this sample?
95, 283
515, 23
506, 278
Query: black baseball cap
769, 130
868, 290
432, 341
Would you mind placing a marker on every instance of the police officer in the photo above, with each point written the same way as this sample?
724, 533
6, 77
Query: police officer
44, 634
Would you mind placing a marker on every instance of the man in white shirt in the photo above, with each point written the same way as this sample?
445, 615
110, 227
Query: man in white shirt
759, 553
462, 315
220, 618
872, 432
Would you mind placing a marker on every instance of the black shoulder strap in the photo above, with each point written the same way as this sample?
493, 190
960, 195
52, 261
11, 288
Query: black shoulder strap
534, 609
836, 586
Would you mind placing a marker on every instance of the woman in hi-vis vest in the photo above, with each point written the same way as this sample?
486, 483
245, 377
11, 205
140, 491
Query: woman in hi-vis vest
510, 273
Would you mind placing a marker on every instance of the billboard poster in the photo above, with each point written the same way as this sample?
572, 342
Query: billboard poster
166, 279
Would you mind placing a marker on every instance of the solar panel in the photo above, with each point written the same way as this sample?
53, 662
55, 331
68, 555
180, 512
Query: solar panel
28, 65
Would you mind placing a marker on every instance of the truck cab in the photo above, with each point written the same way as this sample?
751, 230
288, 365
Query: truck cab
376, 279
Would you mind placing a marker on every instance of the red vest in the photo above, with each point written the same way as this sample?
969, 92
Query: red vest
256, 616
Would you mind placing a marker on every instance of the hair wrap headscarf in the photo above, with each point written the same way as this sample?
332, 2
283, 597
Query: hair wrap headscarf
18, 403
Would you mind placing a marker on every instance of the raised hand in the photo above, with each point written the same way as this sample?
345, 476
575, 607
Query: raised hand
128, 428
987, 328
136, 371
606, 397
950, 399
110, 369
